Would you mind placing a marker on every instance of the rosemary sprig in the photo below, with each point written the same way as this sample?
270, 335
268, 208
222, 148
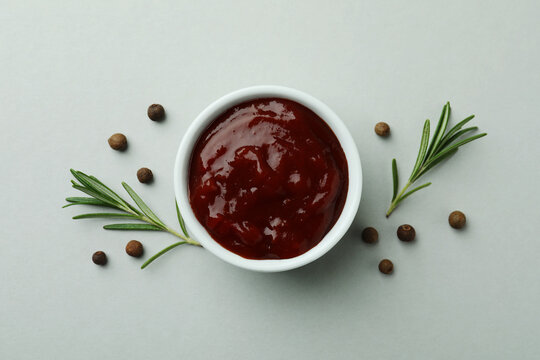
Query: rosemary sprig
101, 195
443, 145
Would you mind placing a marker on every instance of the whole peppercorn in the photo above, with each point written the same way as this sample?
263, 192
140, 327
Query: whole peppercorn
145, 175
99, 258
406, 233
118, 142
156, 112
382, 129
370, 235
386, 266
134, 248
457, 219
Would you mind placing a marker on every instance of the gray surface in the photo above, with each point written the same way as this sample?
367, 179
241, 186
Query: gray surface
72, 74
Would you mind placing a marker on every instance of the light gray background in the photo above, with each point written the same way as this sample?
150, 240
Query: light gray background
71, 74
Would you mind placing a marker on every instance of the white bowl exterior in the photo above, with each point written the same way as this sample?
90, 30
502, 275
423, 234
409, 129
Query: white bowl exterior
205, 118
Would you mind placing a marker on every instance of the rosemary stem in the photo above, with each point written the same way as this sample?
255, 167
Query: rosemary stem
394, 203
187, 240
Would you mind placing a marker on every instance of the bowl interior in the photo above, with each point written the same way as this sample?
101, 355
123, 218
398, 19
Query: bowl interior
183, 158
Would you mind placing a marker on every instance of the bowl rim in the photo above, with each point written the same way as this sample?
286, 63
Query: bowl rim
209, 114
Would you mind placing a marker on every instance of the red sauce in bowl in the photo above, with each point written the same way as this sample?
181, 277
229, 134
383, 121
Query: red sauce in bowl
268, 179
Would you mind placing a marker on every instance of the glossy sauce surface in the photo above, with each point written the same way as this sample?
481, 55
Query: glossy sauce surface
268, 179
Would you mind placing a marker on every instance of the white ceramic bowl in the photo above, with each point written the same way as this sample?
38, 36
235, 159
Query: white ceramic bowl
181, 170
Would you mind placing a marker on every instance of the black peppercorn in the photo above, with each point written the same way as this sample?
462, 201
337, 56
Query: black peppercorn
145, 175
457, 219
382, 129
99, 258
370, 235
156, 112
118, 142
406, 233
386, 266
134, 248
